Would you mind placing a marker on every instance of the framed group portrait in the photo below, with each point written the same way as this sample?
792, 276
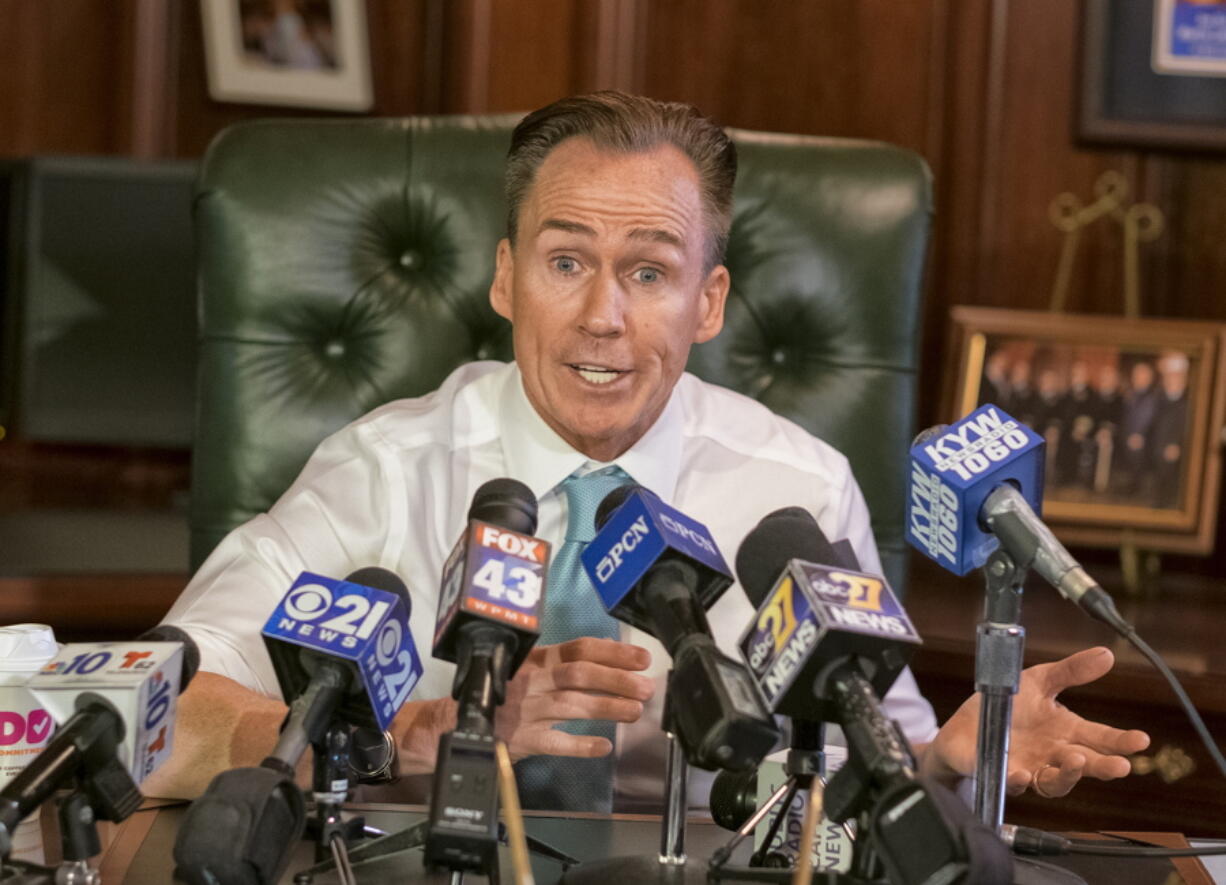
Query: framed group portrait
304, 53
1131, 411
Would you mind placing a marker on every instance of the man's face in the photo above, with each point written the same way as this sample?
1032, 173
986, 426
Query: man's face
606, 290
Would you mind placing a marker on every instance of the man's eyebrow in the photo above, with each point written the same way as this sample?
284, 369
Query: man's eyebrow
570, 227
656, 235
650, 234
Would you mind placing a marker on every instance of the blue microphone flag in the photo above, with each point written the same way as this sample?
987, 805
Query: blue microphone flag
349, 622
953, 469
635, 537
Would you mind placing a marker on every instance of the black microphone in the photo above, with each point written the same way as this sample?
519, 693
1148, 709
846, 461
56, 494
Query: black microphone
813, 616
826, 642
116, 703
657, 569
492, 598
838, 638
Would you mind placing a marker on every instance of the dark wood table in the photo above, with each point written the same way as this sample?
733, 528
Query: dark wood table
139, 851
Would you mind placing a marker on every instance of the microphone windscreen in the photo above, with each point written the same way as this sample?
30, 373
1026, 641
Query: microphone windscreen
845, 555
928, 433
191, 651
779, 537
612, 501
734, 798
385, 580
507, 503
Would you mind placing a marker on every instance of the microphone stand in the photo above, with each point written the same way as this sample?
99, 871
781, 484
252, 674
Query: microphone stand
670, 866
466, 755
806, 761
332, 833
999, 642
101, 789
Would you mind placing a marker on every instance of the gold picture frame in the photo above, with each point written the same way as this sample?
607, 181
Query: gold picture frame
1132, 410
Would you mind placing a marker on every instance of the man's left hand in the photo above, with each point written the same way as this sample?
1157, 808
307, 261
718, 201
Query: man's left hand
1050, 746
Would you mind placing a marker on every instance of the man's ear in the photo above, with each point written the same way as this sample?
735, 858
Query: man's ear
504, 272
713, 297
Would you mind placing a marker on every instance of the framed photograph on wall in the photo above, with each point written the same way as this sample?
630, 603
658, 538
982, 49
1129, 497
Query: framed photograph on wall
1132, 411
306, 53
1153, 73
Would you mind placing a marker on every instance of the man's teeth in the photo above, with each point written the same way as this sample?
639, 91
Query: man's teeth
595, 375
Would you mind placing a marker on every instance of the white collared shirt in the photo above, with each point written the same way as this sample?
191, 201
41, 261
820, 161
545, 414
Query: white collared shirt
392, 489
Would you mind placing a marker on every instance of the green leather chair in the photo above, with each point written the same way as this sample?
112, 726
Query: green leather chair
347, 263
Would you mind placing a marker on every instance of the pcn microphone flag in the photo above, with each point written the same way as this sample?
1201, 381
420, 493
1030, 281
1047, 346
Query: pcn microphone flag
953, 469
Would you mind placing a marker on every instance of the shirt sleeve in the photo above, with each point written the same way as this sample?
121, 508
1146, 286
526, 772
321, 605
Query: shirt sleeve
334, 518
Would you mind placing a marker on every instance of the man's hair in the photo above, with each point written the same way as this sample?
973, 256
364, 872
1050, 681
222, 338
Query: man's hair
629, 124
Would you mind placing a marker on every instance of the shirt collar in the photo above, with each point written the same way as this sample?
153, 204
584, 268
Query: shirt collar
537, 456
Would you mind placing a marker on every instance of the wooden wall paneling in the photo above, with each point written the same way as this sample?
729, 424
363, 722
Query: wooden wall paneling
1195, 232
1033, 158
829, 68
611, 45
505, 55
466, 56
405, 51
63, 63
151, 63
954, 265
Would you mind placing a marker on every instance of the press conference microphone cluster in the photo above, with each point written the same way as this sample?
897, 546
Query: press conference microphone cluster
344, 659
659, 570
115, 705
490, 606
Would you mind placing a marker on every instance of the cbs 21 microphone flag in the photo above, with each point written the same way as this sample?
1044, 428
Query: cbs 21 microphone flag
351, 622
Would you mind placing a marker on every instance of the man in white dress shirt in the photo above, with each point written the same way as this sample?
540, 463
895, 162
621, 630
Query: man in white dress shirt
611, 271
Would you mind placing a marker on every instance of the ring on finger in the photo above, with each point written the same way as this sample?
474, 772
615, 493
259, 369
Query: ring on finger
1034, 781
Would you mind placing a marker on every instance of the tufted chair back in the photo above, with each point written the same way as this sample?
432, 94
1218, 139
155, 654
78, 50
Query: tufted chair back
344, 264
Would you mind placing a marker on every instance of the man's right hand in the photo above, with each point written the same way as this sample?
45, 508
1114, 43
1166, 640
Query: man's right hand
584, 678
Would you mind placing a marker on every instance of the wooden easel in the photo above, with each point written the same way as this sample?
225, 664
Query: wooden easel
1140, 223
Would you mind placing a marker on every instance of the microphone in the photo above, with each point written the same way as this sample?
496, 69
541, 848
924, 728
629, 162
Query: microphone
340, 649
343, 654
115, 702
814, 617
658, 570
490, 605
978, 484
826, 643
832, 639
493, 591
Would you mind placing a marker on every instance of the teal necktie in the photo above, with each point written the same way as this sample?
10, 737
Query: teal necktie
573, 609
